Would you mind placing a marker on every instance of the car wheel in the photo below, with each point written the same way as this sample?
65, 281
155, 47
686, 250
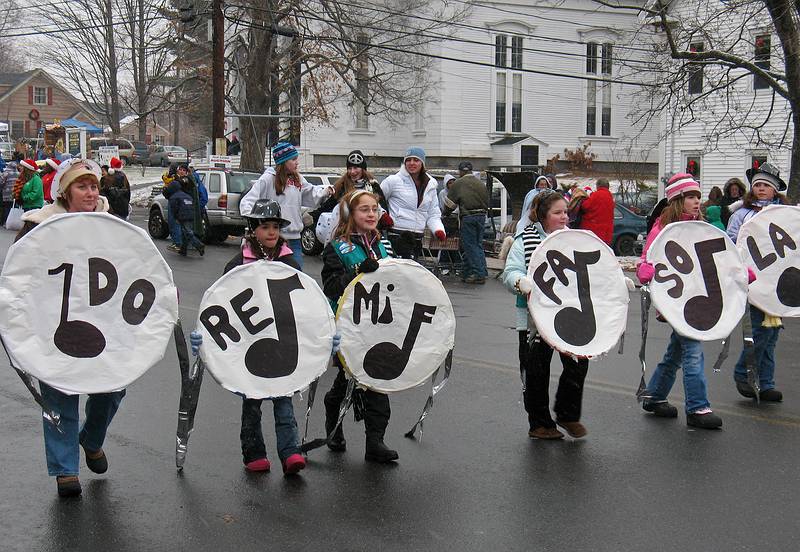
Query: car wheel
625, 245
156, 225
309, 242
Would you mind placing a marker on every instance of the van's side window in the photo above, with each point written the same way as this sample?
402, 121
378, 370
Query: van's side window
213, 180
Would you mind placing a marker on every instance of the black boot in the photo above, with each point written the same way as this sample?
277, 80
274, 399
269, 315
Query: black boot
377, 451
337, 443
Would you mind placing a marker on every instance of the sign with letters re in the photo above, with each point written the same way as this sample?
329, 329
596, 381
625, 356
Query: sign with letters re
700, 282
397, 326
88, 303
267, 330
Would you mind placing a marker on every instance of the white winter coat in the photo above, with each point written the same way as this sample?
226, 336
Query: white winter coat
292, 198
401, 196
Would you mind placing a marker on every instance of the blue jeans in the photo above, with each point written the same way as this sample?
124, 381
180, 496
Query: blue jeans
188, 237
297, 250
685, 353
764, 341
472, 242
174, 228
61, 449
286, 434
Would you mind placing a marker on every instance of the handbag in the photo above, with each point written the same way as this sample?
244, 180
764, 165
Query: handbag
14, 220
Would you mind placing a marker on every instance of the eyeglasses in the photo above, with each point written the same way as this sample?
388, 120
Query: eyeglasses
366, 209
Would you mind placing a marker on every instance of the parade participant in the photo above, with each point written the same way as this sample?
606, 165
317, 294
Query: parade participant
356, 248
174, 228
78, 192
7, 179
468, 195
447, 182
733, 191
765, 188
711, 208
115, 187
413, 205
548, 213
683, 196
284, 184
28, 187
48, 172
183, 207
541, 183
263, 241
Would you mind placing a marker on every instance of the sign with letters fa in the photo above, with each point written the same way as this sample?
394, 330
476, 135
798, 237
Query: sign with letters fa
579, 300
88, 303
397, 326
768, 243
267, 330
700, 283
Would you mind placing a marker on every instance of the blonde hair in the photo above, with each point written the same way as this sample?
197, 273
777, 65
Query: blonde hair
347, 224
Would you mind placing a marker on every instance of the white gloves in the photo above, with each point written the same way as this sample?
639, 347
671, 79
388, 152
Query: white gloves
525, 285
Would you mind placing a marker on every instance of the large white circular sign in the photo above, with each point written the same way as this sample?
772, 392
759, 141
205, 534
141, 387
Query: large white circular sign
88, 303
397, 325
700, 283
579, 300
267, 330
768, 244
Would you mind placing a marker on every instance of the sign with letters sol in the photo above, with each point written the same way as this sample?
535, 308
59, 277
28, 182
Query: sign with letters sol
81, 312
397, 326
267, 330
700, 283
579, 300
768, 243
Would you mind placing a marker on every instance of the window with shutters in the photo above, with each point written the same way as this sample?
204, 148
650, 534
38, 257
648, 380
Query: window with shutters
17, 129
591, 89
39, 95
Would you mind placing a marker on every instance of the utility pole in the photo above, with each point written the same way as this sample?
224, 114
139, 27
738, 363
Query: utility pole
218, 77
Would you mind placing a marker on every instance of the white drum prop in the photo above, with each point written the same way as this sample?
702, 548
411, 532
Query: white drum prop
700, 283
579, 300
267, 330
768, 244
397, 326
88, 303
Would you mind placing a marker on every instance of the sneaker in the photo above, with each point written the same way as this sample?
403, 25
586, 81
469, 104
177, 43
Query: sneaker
708, 420
96, 460
68, 485
472, 279
293, 464
576, 430
771, 395
547, 433
259, 465
377, 451
662, 409
745, 390
182, 251
173, 247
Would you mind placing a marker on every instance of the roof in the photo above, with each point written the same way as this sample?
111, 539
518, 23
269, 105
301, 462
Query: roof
509, 140
15, 79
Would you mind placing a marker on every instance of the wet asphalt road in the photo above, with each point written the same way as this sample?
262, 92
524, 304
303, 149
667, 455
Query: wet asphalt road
474, 482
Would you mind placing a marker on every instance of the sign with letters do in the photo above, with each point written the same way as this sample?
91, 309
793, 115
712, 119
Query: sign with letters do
397, 326
88, 303
700, 283
768, 244
267, 330
579, 300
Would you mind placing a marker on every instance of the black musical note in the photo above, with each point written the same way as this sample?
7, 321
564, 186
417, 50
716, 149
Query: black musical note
702, 312
386, 361
75, 338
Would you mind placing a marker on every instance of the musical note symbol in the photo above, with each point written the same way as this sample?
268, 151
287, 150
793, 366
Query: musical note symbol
386, 361
579, 326
75, 338
702, 312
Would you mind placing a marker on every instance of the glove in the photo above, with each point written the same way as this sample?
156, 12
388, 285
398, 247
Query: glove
335, 342
645, 272
629, 284
386, 220
751, 276
525, 285
369, 265
196, 339
440, 235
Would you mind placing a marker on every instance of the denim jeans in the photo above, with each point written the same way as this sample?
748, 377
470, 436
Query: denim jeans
188, 238
685, 353
61, 449
286, 434
297, 250
472, 242
174, 228
764, 341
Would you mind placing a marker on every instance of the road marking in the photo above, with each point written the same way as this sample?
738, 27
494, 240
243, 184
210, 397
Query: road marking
616, 389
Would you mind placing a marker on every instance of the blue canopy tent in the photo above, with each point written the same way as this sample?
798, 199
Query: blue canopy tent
75, 123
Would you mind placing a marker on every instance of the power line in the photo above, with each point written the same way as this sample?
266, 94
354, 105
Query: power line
87, 27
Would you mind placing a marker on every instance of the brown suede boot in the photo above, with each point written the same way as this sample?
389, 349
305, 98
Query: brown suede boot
576, 430
548, 433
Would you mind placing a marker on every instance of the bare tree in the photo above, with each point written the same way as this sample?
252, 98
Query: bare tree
11, 58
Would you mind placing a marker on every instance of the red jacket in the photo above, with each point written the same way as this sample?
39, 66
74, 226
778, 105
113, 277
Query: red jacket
47, 181
597, 212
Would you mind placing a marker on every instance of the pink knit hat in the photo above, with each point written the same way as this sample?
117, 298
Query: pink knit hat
681, 184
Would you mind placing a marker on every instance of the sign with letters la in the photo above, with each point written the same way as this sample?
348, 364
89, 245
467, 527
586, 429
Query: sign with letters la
267, 330
88, 303
700, 283
579, 300
768, 243
397, 326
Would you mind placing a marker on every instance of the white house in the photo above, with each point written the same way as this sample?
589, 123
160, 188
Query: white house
527, 96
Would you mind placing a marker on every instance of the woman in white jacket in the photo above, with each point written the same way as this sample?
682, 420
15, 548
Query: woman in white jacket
284, 184
413, 205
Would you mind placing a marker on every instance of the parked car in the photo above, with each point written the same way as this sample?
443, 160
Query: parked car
126, 149
7, 150
627, 227
308, 236
166, 155
225, 189
141, 153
